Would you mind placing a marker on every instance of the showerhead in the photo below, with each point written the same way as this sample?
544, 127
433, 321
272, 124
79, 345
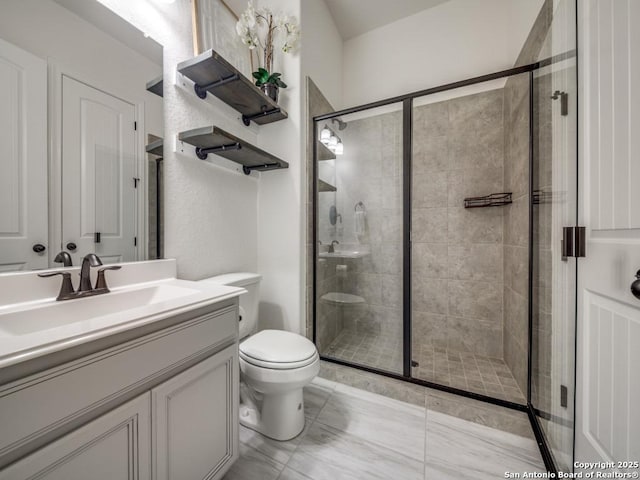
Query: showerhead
341, 125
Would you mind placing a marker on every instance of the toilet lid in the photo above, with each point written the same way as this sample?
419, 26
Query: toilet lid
277, 347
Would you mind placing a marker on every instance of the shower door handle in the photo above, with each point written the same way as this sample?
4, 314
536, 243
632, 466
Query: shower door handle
573, 242
635, 286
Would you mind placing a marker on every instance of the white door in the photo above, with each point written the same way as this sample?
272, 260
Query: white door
23, 160
115, 446
608, 356
98, 171
195, 419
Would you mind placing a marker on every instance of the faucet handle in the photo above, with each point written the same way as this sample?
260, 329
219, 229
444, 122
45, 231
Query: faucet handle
101, 282
66, 289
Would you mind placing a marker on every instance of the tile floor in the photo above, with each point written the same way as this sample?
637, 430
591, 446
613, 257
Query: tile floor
468, 371
464, 370
353, 434
371, 349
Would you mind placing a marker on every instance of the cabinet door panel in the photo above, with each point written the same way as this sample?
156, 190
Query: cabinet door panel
195, 417
115, 446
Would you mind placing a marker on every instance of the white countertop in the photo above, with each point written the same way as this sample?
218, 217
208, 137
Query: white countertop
39, 327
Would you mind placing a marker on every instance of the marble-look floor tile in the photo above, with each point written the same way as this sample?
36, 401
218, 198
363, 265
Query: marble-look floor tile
253, 465
376, 419
276, 450
326, 453
460, 449
482, 413
289, 474
316, 395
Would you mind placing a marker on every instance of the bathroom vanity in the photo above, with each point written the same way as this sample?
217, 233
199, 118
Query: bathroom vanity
138, 383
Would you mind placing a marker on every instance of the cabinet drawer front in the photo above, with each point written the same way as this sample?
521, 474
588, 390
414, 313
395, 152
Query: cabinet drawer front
39, 404
115, 446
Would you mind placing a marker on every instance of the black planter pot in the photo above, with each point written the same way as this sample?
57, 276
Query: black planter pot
271, 90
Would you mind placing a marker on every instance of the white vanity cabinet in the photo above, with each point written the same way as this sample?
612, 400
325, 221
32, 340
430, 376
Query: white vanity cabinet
115, 446
162, 405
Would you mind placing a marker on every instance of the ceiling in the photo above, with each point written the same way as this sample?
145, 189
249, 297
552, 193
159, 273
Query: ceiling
355, 17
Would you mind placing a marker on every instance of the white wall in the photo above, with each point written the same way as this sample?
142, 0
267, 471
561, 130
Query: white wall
210, 212
280, 205
322, 50
522, 15
217, 221
452, 41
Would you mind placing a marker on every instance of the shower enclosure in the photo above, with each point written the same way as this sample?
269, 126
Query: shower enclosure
437, 226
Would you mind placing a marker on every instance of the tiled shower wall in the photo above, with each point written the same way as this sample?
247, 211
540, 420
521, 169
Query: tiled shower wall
369, 172
458, 152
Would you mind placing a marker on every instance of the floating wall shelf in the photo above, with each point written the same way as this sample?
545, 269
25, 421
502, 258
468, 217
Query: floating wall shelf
325, 187
156, 148
215, 140
155, 86
212, 73
324, 153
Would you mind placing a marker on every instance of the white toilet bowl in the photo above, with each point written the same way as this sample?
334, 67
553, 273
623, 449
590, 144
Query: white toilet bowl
275, 366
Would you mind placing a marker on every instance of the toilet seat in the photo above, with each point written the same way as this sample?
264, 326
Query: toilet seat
278, 350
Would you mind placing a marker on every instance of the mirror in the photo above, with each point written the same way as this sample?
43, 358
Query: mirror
81, 91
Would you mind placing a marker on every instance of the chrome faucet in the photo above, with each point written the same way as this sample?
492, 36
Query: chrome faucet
332, 247
85, 289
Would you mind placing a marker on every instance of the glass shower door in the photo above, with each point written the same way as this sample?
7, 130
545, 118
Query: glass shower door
554, 207
359, 315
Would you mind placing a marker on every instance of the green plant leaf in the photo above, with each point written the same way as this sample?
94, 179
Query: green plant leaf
261, 76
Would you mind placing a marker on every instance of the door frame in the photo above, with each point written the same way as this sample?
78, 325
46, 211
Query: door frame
56, 72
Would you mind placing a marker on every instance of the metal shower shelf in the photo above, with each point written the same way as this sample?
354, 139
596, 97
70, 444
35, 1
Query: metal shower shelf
493, 200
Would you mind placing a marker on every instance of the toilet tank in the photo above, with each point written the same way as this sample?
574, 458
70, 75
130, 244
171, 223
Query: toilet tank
248, 301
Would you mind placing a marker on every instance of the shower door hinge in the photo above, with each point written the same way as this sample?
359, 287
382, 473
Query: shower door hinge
573, 242
564, 101
564, 394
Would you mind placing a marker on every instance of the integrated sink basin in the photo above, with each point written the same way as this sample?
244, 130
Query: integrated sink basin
56, 314
33, 323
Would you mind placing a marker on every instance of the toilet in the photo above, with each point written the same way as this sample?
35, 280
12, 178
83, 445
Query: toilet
275, 365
